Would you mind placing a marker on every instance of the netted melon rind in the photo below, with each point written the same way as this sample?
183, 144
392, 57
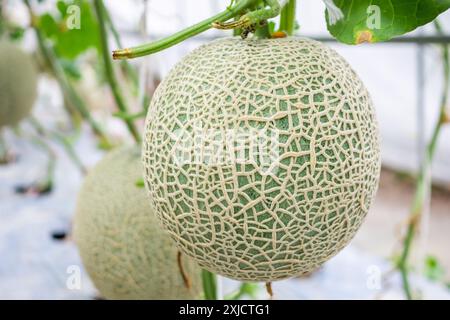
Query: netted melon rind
232, 219
123, 247
18, 84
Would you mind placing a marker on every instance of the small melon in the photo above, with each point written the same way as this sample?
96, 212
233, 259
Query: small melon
281, 211
122, 245
18, 84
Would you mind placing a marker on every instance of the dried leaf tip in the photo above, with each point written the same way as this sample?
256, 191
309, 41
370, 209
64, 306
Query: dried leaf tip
364, 36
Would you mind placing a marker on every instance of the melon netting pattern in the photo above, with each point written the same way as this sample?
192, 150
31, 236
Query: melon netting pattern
122, 245
236, 218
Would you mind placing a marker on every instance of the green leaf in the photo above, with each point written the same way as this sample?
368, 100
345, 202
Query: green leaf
69, 40
48, 25
381, 20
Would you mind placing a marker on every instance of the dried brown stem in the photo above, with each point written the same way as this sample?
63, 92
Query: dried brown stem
186, 280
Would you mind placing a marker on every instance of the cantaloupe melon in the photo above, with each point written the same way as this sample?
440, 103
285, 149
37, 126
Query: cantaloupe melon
245, 217
122, 245
18, 84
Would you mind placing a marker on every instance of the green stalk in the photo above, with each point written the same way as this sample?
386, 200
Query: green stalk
69, 92
127, 116
263, 32
99, 9
287, 18
265, 9
131, 72
182, 35
237, 31
423, 184
68, 147
209, 285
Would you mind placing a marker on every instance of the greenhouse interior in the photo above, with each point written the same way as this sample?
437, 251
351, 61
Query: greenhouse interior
224, 150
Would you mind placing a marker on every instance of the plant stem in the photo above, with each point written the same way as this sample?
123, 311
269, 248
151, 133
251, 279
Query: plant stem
69, 92
126, 116
62, 139
287, 18
423, 183
209, 285
265, 9
263, 32
182, 35
46, 184
100, 9
70, 152
131, 72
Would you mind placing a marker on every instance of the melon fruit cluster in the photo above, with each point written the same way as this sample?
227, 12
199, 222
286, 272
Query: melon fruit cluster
236, 218
123, 248
18, 84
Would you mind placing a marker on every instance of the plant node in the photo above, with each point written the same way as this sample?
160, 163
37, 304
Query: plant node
445, 117
251, 20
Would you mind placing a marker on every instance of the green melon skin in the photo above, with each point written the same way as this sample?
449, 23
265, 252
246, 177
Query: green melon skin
234, 217
122, 245
18, 84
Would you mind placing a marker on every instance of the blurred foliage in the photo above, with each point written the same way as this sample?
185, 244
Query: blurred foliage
15, 33
140, 183
70, 42
246, 289
71, 68
433, 269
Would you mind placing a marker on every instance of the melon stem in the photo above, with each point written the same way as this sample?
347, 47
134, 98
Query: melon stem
130, 71
287, 17
250, 21
156, 46
109, 70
